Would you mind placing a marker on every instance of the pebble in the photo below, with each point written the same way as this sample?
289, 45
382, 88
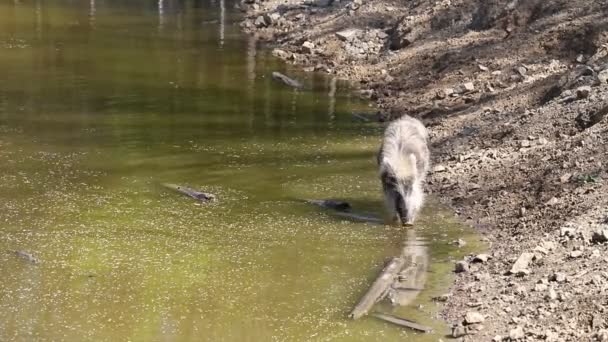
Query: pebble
520, 267
348, 35
473, 317
559, 277
516, 334
583, 92
603, 76
439, 168
308, 47
459, 331
481, 258
576, 254
461, 266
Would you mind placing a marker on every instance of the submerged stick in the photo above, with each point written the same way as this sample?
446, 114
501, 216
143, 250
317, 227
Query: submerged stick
201, 196
378, 289
27, 257
403, 322
286, 80
331, 204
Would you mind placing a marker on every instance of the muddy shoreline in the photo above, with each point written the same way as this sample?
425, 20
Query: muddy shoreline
516, 97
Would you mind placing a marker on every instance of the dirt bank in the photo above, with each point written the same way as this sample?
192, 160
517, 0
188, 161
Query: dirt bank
516, 97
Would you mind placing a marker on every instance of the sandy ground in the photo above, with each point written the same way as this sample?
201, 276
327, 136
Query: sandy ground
515, 95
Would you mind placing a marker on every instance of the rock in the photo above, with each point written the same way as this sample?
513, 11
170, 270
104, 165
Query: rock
460, 243
552, 201
497, 338
260, 22
273, 18
558, 277
323, 3
482, 67
308, 47
356, 4
522, 71
442, 298
602, 335
516, 334
404, 32
567, 231
576, 254
565, 178
473, 317
465, 88
459, 331
524, 143
348, 34
551, 295
481, 258
280, 53
540, 287
600, 236
448, 92
603, 76
461, 266
520, 267
439, 168
583, 92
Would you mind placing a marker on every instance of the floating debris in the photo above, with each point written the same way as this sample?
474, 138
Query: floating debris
27, 257
286, 80
198, 195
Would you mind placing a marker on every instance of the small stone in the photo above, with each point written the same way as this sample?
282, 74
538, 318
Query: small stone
482, 67
542, 141
576, 254
308, 47
473, 317
481, 258
448, 92
260, 21
522, 71
551, 295
516, 334
459, 331
583, 92
497, 338
439, 168
522, 212
466, 88
603, 76
280, 53
552, 201
567, 231
602, 335
565, 178
460, 243
348, 35
442, 298
600, 236
524, 143
520, 267
540, 287
559, 277
461, 266
497, 73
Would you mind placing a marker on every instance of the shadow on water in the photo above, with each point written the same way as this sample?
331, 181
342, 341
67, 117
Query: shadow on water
100, 101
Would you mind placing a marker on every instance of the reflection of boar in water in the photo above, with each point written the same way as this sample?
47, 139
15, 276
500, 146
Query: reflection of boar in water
403, 161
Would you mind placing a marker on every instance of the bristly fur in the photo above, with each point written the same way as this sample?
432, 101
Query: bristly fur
403, 162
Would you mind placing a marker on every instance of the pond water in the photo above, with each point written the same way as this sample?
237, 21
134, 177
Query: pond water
103, 101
